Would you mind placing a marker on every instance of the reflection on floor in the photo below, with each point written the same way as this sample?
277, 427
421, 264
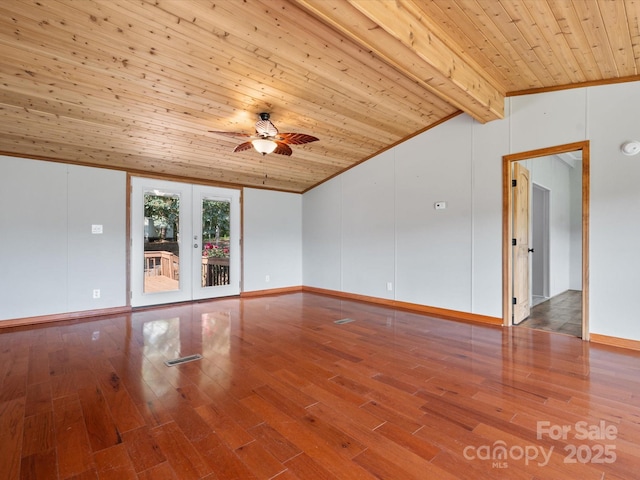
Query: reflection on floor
562, 314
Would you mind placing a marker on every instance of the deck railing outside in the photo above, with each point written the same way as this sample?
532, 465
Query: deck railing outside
162, 263
215, 271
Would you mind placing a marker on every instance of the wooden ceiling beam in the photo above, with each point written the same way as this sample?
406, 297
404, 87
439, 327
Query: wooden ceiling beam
406, 39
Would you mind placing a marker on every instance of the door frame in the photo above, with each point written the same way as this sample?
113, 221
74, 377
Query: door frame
507, 261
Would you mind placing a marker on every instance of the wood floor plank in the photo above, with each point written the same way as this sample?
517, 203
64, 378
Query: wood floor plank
222, 461
383, 467
72, 440
143, 450
388, 415
180, 452
39, 398
102, 430
340, 441
123, 410
282, 392
230, 406
63, 385
38, 365
159, 472
14, 386
39, 434
149, 406
259, 460
40, 465
154, 412
273, 442
335, 390
113, 463
225, 427
409, 441
192, 424
405, 459
308, 441
11, 433
91, 474
287, 475
305, 467
285, 403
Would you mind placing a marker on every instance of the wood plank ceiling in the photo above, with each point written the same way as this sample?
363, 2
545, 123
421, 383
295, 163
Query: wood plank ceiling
138, 84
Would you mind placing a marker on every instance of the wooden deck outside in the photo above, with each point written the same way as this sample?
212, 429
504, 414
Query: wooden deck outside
160, 283
162, 271
284, 392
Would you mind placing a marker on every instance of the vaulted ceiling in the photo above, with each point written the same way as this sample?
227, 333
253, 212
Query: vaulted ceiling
139, 85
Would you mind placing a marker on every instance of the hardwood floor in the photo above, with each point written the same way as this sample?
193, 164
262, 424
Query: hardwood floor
560, 314
283, 392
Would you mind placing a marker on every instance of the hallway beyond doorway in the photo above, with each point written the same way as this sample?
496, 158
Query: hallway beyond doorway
561, 314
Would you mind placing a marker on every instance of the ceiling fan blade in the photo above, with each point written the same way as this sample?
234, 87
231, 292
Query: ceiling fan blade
243, 146
282, 149
265, 128
231, 134
295, 138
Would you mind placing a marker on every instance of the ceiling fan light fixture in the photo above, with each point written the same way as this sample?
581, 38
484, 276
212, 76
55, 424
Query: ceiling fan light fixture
264, 146
630, 148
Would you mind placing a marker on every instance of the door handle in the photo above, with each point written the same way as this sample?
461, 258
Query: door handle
531, 250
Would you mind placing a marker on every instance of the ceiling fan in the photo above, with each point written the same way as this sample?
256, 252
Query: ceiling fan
267, 139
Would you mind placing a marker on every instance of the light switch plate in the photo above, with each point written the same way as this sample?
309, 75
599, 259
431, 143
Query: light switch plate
96, 229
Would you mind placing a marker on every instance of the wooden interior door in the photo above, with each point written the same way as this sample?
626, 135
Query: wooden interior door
520, 249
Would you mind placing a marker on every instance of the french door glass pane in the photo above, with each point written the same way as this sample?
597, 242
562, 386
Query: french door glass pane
161, 248
215, 241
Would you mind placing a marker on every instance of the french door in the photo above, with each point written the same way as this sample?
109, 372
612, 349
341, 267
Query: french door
185, 242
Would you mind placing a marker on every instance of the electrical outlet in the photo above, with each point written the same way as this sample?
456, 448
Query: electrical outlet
389, 286
96, 293
267, 278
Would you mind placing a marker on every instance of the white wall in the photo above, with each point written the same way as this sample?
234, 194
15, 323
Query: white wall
451, 258
272, 239
322, 234
615, 210
390, 231
434, 246
368, 228
50, 262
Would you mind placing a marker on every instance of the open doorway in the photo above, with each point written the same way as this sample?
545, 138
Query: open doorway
545, 239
